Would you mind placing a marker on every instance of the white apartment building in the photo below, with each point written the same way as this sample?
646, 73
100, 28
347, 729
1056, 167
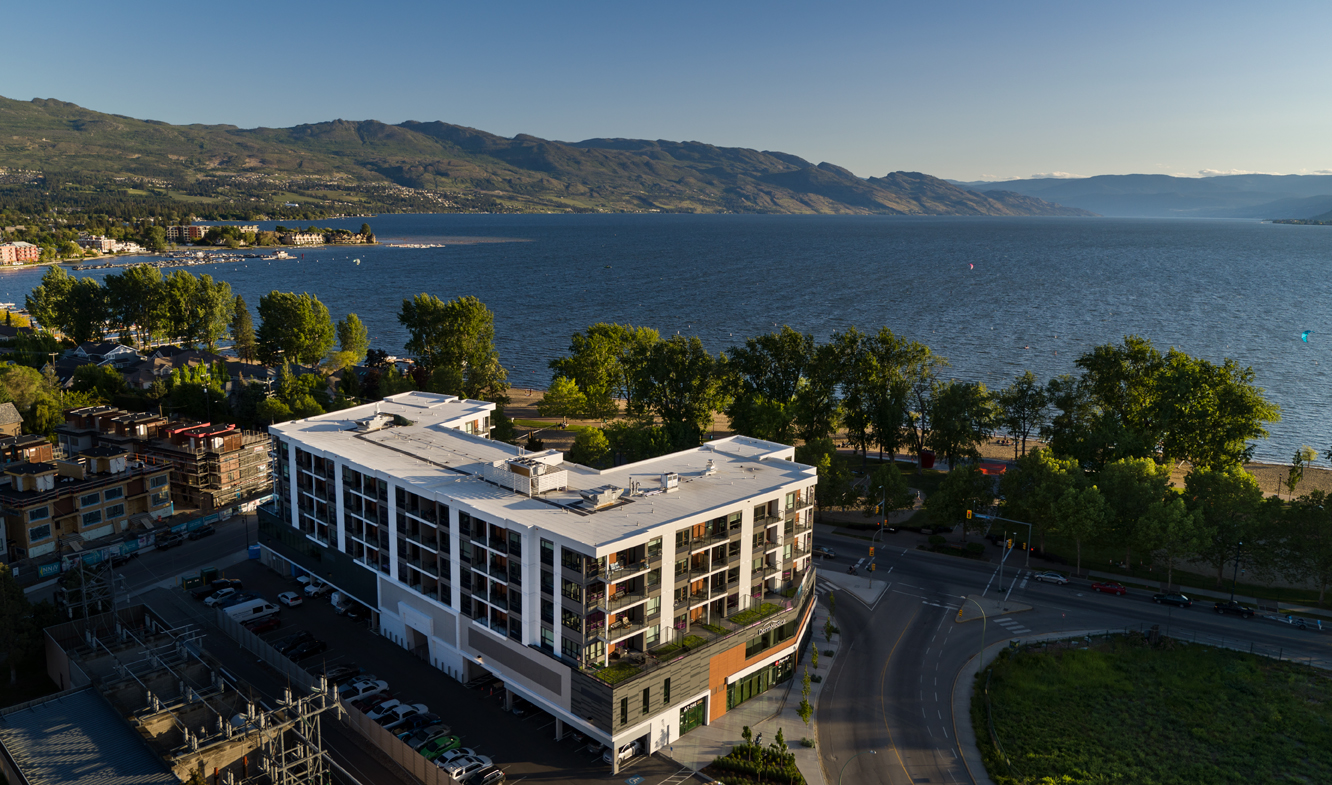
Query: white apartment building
633, 603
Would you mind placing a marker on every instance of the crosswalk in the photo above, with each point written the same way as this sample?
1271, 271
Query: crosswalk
1013, 626
822, 586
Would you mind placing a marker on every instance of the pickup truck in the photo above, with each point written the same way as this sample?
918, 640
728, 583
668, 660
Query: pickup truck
1234, 609
1296, 622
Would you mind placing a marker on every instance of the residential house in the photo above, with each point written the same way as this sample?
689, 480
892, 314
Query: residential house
11, 422
302, 238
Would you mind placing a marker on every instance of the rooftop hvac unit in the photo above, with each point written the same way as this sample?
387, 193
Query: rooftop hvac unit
670, 481
373, 423
711, 468
604, 496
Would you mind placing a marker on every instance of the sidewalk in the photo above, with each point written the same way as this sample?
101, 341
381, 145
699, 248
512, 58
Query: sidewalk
774, 710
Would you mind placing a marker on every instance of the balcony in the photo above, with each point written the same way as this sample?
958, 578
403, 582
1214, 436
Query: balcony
619, 571
619, 630
620, 600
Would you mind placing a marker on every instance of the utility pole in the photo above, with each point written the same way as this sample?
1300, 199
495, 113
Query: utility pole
1019, 523
1234, 576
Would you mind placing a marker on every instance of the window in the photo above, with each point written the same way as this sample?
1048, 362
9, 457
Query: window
91, 518
573, 560
654, 549
515, 544
548, 611
570, 649
733, 521
39, 513
158, 481
88, 500
653, 635
159, 499
647, 699
790, 500
572, 620
515, 628
465, 606
547, 639
666, 692
624, 711
464, 524
39, 533
111, 494
654, 577
786, 551
547, 582
572, 590
681, 567
547, 552
115, 511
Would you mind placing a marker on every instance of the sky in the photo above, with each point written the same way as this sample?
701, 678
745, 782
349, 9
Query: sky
964, 90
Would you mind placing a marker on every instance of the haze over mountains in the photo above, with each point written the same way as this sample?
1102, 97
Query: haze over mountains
338, 164
1163, 196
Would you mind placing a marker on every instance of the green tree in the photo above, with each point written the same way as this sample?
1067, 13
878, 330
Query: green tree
1073, 427
816, 406
353, 338
601, 362
454, 343
762, 379
964, 488
293, 328
924, 385
135, 300
590, 447
1131, 486
1171, 529
1083, 515
154, 239
563, 399
1122, 382
1230, 502
679, 382
242, 330
1022, 408
963, 416
1303, 457
180, 298
1033, 488
48, 301
271, 411
887, 492
1208, 415
101, 381
213, 310
87, 311
1308, 541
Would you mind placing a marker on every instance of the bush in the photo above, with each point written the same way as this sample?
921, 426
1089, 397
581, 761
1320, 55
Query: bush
816, 678
828, 652
804, 742
937, 540
975, 548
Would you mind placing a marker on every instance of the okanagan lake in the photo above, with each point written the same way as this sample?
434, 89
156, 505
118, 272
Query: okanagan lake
995, 296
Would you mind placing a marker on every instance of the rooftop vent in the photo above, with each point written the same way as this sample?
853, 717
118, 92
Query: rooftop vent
598, 498
711, 468
670, 481
373, 423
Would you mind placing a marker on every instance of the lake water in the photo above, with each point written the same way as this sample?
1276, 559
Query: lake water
1041, 292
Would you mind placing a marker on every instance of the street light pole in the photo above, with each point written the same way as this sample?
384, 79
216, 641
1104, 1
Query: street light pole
848, 762
1235, 575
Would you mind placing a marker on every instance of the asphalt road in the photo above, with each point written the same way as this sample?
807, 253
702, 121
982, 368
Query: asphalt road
885, 716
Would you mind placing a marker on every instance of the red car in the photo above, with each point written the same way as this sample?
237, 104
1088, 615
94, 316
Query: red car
1109, 587
264, 625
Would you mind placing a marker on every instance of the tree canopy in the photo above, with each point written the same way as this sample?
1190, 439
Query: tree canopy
293, 328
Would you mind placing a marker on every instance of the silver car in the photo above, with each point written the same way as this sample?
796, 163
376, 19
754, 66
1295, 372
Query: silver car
1050, 577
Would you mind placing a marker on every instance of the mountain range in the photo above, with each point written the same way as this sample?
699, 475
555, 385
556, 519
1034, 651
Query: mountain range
1163, 196
368, 165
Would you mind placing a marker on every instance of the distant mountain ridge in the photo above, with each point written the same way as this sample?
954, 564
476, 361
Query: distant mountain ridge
337, 161
1164, 196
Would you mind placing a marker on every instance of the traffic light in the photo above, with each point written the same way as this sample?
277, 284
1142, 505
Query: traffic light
871, 566
871, 551
968, 514
1010, 543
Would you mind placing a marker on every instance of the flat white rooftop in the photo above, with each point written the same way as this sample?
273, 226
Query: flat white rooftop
429, 457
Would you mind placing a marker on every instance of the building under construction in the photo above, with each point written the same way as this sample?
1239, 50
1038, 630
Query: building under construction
214, 465
147, 702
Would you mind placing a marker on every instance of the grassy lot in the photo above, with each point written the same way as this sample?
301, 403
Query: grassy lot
1126, 713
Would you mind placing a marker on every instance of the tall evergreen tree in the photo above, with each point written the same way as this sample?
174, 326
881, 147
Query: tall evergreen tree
242, 330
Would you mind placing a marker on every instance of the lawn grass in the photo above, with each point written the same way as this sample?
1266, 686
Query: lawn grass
751, 615
1126, 713
614, 674
675, 647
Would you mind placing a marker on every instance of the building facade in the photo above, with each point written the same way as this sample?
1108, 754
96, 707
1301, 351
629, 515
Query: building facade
302, 238
633, 603
19, 253
58, 505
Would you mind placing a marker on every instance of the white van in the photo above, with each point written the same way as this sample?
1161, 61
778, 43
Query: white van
251, 610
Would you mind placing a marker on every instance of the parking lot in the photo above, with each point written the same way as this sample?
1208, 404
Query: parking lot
523, 746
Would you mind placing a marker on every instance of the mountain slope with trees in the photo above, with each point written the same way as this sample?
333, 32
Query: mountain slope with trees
58, 154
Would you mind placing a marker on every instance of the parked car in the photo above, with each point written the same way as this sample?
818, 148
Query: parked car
264, 625
439, 746
303, 581
169, 540
370, 702
382, 709
415, 723
217, 597
235, 599
420, 737
1172, 599
359, 688
306, 650
292, 641
118, 559
337, 674
481, 681
201, 532
207, 589
317, 589
356, 611
522, 707
1234, 608
462, 769
1109, 587
394, 719
626, 752
490, 775
1050, 577
825, 553
458, 752
290, 599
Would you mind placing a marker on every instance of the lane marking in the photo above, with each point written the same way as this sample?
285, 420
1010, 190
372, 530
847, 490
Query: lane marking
883, 707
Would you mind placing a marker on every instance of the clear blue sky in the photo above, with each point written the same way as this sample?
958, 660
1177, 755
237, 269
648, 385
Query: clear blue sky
967, 90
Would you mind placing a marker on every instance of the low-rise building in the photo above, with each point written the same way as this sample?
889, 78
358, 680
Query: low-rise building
19, 252
186, 234
302, 238
55, 505
96, 242
11, 422
633, 604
